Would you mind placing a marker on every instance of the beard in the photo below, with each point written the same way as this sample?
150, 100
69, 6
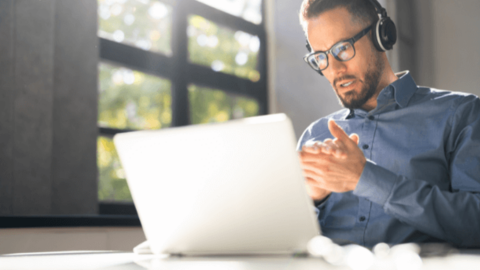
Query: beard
354, 100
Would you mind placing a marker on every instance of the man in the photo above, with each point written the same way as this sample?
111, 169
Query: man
410, 169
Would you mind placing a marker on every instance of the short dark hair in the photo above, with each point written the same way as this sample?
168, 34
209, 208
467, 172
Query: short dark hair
362, 11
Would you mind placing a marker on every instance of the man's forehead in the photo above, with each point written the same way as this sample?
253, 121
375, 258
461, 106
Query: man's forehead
330, 27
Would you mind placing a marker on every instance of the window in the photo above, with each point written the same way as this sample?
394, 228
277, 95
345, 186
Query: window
167, 63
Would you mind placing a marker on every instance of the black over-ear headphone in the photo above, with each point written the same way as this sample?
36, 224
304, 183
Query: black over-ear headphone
384, 34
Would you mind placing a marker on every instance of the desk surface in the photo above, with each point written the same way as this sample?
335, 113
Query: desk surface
130, 261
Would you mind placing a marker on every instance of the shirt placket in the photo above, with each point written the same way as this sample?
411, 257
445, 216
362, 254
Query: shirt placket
364, 206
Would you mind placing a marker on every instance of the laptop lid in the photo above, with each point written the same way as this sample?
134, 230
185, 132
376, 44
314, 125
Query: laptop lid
225, 188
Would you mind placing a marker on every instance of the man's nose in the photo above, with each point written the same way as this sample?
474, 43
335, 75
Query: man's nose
335, 66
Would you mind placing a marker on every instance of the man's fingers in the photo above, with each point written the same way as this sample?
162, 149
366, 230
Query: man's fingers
307, 156
313, 182
337, 131
314, 149
354, 137
311, 169
316, 154
340, 134
328, 146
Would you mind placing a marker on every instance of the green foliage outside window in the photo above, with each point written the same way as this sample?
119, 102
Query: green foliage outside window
250, 10
131, 99
146, 24
209, 105
222, 49
112, 185
128, 99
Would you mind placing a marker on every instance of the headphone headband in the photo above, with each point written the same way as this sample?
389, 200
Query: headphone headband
379, 9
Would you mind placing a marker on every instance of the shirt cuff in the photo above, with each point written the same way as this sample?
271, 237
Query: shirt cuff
375, 184
320, 203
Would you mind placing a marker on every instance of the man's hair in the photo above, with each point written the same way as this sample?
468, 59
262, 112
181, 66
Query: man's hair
362, 11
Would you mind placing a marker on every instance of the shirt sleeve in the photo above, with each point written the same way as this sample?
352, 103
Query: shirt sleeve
452, 215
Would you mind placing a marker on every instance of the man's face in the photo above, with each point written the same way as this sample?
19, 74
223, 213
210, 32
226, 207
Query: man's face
354, 81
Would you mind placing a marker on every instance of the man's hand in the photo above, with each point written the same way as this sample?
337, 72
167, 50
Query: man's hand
334, 165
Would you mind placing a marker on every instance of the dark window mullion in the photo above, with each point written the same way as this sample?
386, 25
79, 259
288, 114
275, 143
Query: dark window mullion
135, 58
180, 108
229, 83
222, 18
262, 66
110, 132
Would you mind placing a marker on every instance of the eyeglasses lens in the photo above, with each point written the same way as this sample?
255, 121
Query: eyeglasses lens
318, 61
343, 51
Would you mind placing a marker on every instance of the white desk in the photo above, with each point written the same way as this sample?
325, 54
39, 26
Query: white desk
130, 261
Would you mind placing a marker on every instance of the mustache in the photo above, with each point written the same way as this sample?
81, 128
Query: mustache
346, 77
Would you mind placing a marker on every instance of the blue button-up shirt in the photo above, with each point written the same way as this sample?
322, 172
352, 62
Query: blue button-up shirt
421, 182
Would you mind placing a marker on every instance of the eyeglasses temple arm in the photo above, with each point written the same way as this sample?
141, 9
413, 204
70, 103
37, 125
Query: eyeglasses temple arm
361, 34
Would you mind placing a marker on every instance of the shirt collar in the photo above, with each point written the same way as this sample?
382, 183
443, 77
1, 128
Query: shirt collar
404, 88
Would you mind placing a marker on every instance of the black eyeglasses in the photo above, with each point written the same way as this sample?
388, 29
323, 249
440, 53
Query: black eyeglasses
342, 51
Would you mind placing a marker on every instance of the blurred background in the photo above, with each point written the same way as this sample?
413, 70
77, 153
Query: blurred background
75, 73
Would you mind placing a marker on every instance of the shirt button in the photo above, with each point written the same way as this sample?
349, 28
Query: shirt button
362, 218
365, 147
371, 117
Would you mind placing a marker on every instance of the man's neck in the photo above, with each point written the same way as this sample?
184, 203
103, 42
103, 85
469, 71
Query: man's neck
387, 78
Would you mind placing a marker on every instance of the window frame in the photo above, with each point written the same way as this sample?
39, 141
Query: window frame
182, 73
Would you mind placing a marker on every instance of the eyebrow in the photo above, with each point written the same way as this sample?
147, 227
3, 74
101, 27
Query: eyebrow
340, 40
343, 39
367, 29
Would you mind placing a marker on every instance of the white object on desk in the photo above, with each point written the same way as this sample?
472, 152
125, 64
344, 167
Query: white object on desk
129, 261
228, 188
142, 248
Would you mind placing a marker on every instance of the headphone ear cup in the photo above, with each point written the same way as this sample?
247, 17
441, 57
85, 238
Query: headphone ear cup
388, 33
384, 35
376, 36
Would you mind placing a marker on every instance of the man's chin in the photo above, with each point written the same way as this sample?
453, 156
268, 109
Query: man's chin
352, 102
349, 97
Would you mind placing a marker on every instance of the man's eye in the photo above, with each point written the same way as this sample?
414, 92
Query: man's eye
341, 48
320, 57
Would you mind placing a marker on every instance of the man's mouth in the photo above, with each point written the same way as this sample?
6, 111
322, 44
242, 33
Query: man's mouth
346, 84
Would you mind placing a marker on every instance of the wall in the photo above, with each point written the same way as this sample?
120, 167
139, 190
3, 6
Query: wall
69, 239
456, 44
48, 107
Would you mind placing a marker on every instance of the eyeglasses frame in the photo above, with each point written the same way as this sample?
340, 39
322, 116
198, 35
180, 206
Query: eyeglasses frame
329, 51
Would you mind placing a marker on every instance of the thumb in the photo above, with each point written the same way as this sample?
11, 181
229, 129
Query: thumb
354, 137
337, 131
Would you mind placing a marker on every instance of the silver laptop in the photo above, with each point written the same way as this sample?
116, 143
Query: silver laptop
226, 188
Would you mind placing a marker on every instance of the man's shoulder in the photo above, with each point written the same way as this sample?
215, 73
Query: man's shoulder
338, 115
440, 95
453, 104
320, 126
